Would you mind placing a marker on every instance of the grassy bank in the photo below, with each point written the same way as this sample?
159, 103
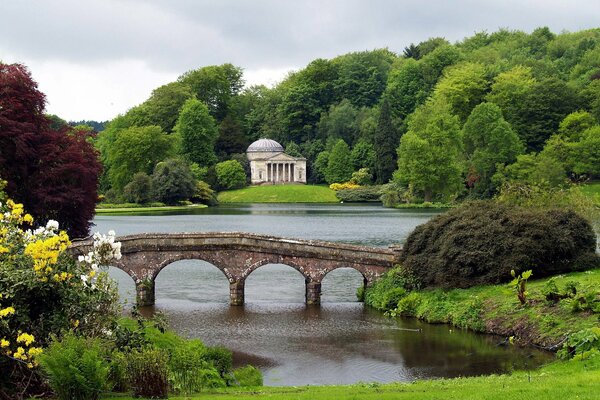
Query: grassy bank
496, 308
280, 194
123, 209
575, 379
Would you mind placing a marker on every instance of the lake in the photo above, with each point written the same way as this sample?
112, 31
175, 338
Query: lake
340, 342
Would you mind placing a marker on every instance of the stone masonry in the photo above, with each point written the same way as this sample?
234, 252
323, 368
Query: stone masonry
238, 254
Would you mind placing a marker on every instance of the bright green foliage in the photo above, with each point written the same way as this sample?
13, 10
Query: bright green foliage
489, 140
385, 140
429, 156
248, 376
586, 153
76, 367
532, 169
220, 357
406, 88
320, 166
339, 166
363, 155
362, 177
198, 133
575, 124
520, 284
204, 194
434, 63
163, 106
173, 181
139, 190
230, 174
463, 86
215, 86
137, 149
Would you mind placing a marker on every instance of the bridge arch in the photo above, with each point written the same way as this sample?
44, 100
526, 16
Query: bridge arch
343, 275
237, 254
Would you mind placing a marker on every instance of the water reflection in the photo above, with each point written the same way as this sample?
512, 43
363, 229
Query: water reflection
338, 343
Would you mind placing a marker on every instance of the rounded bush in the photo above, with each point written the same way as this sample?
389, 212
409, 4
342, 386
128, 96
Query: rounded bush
481, 242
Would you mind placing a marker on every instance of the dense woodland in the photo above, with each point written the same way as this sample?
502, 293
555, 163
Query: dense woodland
441, 121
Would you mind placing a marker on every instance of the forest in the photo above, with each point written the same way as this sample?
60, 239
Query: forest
439, 122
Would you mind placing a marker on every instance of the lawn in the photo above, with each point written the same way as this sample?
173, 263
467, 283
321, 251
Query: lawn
575, 379
592, 190
280, 194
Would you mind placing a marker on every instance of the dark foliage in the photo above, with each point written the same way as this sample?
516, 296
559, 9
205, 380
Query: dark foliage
53, 172
385, 143
481, 242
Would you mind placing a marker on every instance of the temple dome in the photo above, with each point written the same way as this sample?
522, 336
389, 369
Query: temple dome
265, 145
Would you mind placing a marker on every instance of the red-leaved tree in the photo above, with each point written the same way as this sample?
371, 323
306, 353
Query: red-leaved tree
53, 173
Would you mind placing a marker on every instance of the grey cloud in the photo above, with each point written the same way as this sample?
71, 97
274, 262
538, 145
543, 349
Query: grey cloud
179, 35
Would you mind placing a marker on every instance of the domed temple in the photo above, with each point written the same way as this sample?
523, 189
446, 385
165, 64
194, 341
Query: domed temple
270, 164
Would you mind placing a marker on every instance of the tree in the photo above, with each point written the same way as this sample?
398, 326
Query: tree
319, 167
231, 138
164, 105
509, 91
406, 88
230, 175
384, 143
54, 173
197, 132
215, 86
532, 170
137, 149
139, 190
339, 122
429, 156
363, 156
489, 140
575, 124
292, 149
173, 181
339, 167
463, 86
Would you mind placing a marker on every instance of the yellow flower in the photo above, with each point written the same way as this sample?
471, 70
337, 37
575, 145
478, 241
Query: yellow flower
6, 311
27, 218
4, 343
34, 351
75, 323
20, 354
25, 338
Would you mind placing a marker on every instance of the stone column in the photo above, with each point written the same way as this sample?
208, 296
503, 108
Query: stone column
286, 173
144, 291
292, 165
313, 293
236, 293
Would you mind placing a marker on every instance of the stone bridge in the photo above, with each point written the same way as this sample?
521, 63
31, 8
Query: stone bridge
238, 254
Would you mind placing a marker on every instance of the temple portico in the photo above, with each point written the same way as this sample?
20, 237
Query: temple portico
269, 164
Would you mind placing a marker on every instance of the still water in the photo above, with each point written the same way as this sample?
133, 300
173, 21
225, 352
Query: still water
341, 341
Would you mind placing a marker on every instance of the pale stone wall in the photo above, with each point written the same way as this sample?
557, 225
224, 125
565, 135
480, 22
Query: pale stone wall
285, 170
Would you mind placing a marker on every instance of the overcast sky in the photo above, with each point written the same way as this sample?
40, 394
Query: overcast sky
95, 59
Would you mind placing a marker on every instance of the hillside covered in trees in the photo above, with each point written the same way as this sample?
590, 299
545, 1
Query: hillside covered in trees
440, 121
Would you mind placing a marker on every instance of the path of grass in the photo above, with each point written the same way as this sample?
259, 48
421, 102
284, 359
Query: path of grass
573, 379
280, 194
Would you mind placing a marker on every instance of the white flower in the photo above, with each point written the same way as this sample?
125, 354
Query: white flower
111, 233
81, 258
52, 225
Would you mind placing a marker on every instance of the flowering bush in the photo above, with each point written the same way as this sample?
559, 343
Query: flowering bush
44, 292
341, 186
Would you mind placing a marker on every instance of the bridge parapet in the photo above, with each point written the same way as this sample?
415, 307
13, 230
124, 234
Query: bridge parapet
237, 254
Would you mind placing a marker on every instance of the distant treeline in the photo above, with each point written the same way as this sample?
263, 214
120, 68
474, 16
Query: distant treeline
440, 121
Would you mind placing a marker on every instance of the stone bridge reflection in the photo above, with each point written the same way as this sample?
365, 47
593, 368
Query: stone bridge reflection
237, 254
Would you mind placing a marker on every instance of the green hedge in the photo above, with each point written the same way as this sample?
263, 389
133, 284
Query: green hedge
481, 242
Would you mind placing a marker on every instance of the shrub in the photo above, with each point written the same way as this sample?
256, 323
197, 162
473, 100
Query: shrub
45, 292
139, 190
359, 194
388, 289
189, 371
341, 186
76, 368
173, 181
362, 177
230, 174
481, 242
248, 376
221, 358
147, 373
204, 194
